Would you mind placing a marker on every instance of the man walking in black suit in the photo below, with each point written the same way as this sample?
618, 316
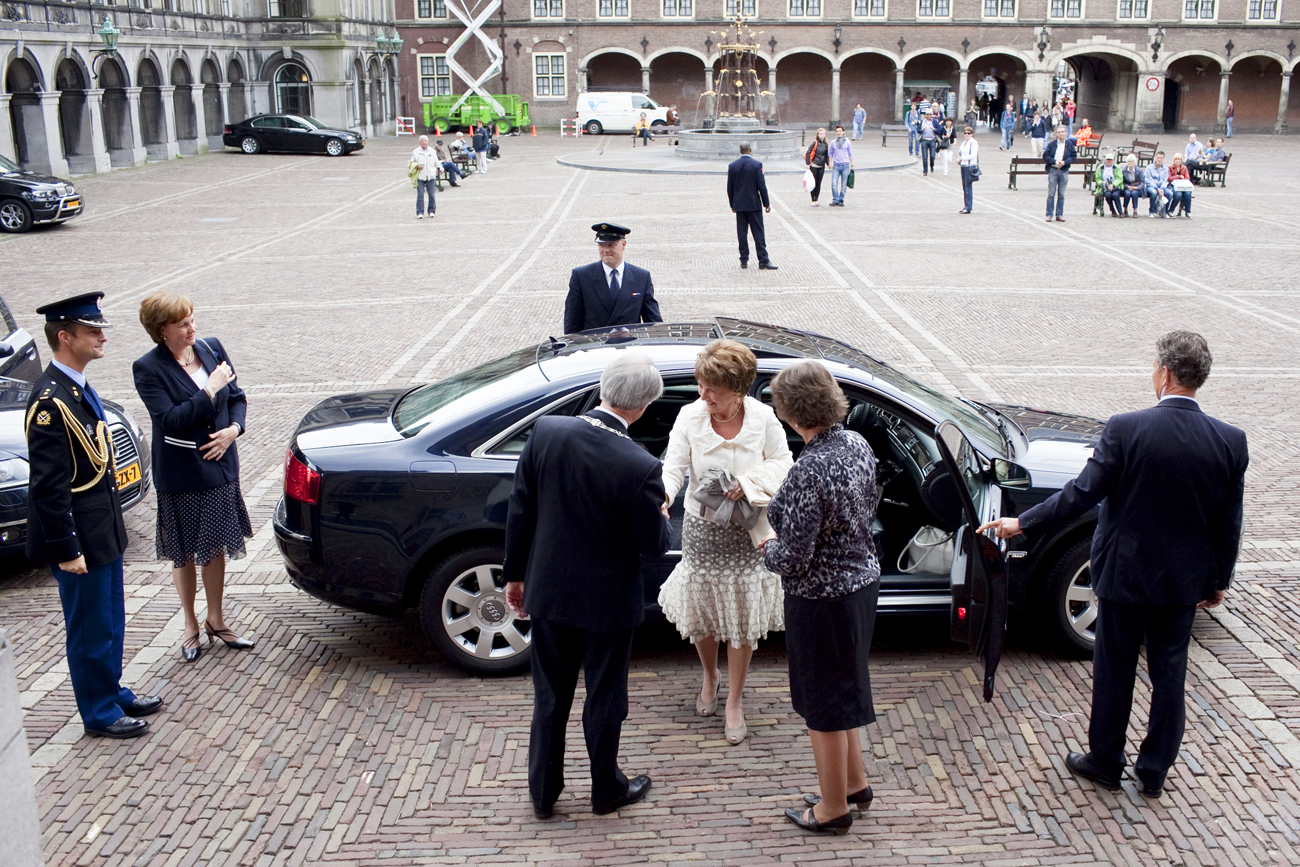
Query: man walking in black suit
1170, 480
587, 503
609, 292
747, 192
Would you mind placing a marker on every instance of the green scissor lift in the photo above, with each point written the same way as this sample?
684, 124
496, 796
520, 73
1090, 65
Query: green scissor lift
476, 111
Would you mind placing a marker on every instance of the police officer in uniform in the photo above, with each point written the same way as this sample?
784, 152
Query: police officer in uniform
609, 292
74, 517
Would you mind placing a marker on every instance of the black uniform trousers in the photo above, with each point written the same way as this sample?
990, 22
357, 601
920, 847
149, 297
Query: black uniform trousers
746, 221
1122, 628
558, 652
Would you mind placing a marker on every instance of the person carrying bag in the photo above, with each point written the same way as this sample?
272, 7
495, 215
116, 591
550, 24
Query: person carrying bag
815, 157
968, 158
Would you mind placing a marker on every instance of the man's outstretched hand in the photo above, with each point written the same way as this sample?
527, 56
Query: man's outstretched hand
1004, 528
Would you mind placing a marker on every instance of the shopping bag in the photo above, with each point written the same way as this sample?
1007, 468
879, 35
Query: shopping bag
808, 180
849, 182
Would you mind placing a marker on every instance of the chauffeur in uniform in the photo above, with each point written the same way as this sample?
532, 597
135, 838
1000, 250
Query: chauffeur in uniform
609, 292
74, 518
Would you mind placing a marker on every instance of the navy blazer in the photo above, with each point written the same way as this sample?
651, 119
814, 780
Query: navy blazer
584, 508
589, 304
746, 186
1170, 480
1049, 152
184, 417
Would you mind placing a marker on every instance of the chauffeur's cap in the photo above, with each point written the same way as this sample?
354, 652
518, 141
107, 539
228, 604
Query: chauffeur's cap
82, 309
609, 232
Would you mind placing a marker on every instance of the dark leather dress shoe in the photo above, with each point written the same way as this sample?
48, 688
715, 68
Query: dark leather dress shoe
744, 265
637, 787
543, 812
1150, 791
123, 728
862, 800
766, 266
1083, 765
838, 825
144, 705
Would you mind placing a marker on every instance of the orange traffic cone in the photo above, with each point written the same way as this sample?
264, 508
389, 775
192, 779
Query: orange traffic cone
534, 130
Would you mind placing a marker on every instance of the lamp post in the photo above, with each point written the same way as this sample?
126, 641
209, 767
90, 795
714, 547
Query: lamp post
395, 43
1044, 42
381, 43
1156, 42
108, 35
839, 31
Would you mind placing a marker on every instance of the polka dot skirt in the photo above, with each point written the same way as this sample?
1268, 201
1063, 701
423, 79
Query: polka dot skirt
200, 526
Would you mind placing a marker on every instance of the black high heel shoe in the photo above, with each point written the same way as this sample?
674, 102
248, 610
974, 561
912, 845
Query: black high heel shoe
838, 825
862, 800
190, 649
227, 636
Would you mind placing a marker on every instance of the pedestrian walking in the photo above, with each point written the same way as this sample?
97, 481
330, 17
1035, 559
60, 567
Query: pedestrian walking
929, 135
187, 384
74, 517
1069, 115
841, 152
816, 157
947, 138
913, 121
423, 168
1037, 135
1170, 482
972, 115
1228, 114
609, 292
859, 118
1058, 156
747, 194
1007, 123
968, 160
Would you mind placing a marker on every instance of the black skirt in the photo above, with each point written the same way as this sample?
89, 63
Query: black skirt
199, 526
828, 642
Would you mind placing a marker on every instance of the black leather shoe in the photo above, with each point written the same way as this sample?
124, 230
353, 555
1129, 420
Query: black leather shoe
543, 812
1150, 791
144, 705
766, 266
838, 825
1083, 765
744, 265
190, 649
637, 787
123, 728
861, 799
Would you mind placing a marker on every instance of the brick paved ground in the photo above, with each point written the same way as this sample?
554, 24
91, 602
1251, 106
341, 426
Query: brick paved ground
343, 739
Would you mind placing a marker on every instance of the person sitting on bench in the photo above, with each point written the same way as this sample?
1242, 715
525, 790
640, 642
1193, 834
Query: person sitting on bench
1156, 179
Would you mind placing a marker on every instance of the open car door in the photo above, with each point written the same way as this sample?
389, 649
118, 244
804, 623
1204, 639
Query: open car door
979, 583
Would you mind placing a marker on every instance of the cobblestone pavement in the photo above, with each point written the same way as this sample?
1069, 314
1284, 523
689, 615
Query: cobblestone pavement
344, 739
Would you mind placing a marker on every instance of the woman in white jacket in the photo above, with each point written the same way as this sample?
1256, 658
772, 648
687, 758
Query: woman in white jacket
721, 592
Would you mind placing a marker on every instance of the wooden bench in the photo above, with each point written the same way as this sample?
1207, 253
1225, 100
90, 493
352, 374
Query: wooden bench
1145, 151
888, 129
1216, 170
656, 131
467, 163
1092, 148
1035, 166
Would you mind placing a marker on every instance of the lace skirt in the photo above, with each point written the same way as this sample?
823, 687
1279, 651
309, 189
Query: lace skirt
200, 526
721, 589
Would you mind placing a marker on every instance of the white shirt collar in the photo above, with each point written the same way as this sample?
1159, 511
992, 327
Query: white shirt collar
1179, 397
78, 378
619, 269
618, 419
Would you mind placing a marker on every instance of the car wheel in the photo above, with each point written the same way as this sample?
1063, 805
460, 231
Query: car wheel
464, 613
594, 128
249, 145
15, 216
1071, 601
334, 147
659, 123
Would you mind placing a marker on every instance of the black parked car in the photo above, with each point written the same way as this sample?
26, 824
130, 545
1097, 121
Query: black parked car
19, 357
396, 499
294, 133
30, 198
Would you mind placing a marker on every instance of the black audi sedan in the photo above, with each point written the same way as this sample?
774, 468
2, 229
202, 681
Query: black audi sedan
397, 499
32, 199
293, 133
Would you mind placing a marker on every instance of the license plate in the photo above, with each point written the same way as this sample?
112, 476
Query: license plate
128, 475
72, 203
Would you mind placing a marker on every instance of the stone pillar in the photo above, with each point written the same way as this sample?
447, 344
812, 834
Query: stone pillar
1038, 84
200, 119
139, 153
1279, 128
51, 153
645, 79
223, 97
1149, 114
98, 143
708, 87
1221, 124
772, 111
170, 147
899, 109
7, 146
963, 98
835, 96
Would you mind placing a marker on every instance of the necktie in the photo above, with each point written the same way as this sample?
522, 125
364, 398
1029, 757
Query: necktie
93, 399
613, 286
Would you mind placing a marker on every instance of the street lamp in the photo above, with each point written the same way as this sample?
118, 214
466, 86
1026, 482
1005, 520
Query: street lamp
108, 35
381, 43
395, 43
1044, 42
1155, 43
838, 32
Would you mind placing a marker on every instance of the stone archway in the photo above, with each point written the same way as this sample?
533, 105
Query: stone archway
74, 117
868, 78
614, 71
677, 78
359, 95
1010, 74
378, 112
932, 75
1105, 89
187, 122
116, 113
213, 121
153, 118
238, 104
1256, 90
31, 144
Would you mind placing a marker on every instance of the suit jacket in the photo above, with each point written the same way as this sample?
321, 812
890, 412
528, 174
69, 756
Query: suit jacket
1050, 149
63, 523
584, 508
184, 417
588, 304
1170, 480
746, 186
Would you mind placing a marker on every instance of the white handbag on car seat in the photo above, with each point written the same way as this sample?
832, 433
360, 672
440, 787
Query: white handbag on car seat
930, 550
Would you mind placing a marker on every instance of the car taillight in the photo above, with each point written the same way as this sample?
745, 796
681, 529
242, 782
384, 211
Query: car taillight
961, 612
229, 131
300, 481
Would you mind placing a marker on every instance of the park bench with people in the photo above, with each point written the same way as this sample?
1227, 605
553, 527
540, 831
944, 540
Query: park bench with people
1216, 170
1093, 148
657, 131
1035, 166
888, 129
1145, 151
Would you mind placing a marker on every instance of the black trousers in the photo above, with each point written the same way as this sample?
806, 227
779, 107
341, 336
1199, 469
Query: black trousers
1122, 628
745, 222
817, 172
558, 652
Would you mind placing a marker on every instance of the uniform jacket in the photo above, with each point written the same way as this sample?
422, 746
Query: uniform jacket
1050, 149
184, 417
588, 304
584, 509
73, 507
746, 186
1170, 480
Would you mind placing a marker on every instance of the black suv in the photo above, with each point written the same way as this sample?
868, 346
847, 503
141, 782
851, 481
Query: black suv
29, 198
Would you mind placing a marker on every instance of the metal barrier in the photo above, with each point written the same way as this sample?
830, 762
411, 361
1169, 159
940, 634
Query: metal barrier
569, 126
406, 126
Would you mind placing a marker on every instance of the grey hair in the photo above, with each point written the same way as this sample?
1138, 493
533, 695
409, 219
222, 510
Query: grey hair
745, 147
631, 382
1186, 355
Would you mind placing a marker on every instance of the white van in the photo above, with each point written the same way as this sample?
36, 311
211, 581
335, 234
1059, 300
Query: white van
617, 111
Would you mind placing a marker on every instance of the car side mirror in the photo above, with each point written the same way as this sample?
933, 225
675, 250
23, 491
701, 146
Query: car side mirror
1010, 475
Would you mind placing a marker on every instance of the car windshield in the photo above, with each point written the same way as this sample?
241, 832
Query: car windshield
7, 165
414, 412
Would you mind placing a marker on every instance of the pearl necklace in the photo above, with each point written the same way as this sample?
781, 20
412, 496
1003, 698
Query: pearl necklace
187, 361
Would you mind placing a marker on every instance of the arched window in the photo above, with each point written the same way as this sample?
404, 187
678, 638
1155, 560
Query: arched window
292, 90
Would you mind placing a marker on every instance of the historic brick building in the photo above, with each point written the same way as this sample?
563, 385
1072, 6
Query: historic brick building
183, 69
1137, 64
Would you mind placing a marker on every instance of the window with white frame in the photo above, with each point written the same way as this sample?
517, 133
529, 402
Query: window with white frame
933, 8
747, 8
612, 8
1066, 9
430, 9
435, 76
1262, 10
868, 8
1202, 10
1134, 8
548, 75
805, 8
678, 9
548, 8
999, 8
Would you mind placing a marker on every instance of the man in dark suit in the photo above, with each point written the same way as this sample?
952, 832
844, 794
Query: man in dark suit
587, 503
747, 192
74, 518
609, 292
1058, 156
1170, 480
